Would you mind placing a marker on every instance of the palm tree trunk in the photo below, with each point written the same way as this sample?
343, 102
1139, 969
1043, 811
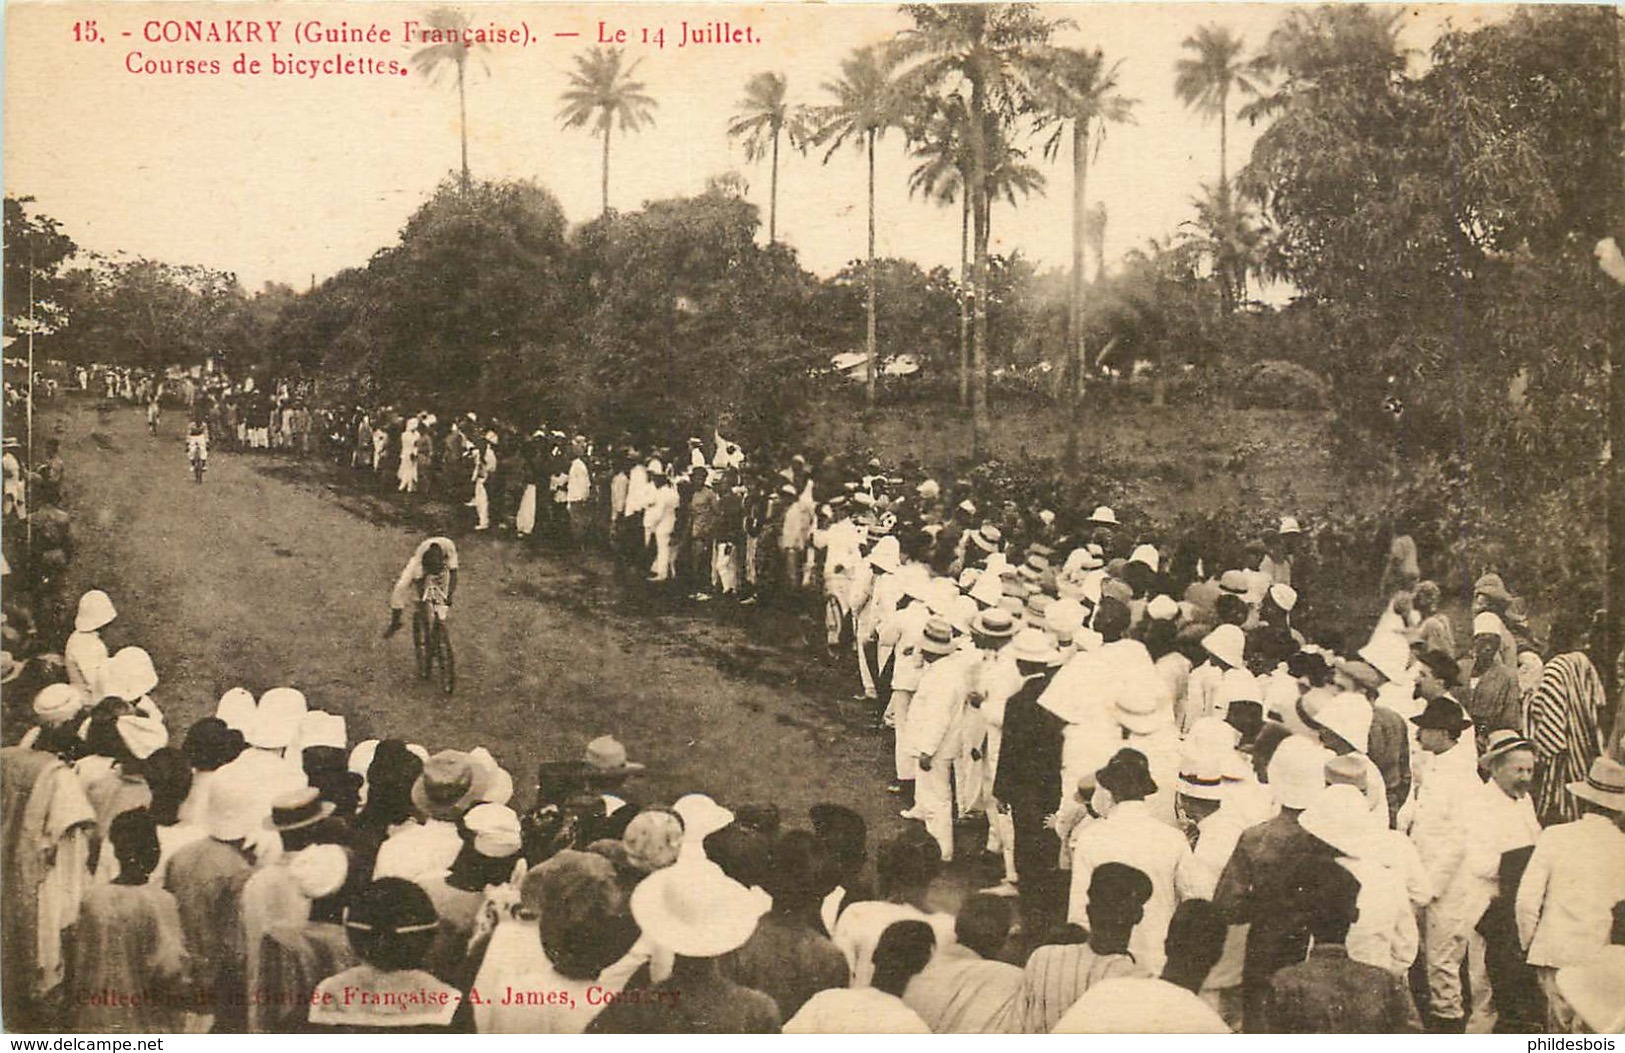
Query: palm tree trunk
964, 298
604, 177
1226, 269
462, 112
981, 420
1080, 184
773, 195
869, 340
1073, 402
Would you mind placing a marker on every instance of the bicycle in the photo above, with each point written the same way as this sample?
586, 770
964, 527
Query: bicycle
198, 465
431, 639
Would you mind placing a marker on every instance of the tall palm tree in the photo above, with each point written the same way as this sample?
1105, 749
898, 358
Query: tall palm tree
991, 54
1079, 93
434, 60
764, 118
940, 143
867, 104
1204, 81
602, 94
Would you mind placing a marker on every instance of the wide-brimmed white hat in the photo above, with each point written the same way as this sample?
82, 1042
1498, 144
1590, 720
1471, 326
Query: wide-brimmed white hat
95, 611
1348, 716
1604, 784
887, 555
701, 816
1139, 702
276, 720
237, 709
1104, 515
129, 674
497, 782
1162, 608
320, 728
142, 735
1389, 653
1297, 772
1341, 817
1228, 644
1033, 645
695, 910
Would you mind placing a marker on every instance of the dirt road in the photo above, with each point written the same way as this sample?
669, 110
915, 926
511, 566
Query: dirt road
274, 572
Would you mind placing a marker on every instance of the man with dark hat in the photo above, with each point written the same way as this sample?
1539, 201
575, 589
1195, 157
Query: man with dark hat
1443, 821
1028, 781
1129, 834
391, 926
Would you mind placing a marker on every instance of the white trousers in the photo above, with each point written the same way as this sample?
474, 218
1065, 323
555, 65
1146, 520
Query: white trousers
903, 758
1450, 936
482, 505
662, 568
933, 799
525, 519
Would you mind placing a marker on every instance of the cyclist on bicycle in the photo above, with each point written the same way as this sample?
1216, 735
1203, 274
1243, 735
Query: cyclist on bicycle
432, 570
197, 442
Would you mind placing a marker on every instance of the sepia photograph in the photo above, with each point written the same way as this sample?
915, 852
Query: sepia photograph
973, 518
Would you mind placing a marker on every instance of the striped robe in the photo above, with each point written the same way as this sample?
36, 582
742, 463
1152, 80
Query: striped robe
1562, 717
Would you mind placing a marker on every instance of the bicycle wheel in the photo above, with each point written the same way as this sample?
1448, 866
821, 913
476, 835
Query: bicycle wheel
197, 469
420, 644
441, 652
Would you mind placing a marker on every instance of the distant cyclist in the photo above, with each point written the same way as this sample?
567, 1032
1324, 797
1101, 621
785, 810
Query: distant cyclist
197, 446
432, 569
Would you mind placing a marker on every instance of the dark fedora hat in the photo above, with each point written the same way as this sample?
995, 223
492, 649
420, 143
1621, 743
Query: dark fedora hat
298, 809
1127, 776
1443, 713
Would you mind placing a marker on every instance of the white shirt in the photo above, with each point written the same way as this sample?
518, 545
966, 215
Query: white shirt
1385, 933
859, 927
936, 713
1134, 1005
1130, 835
579, 487
855, 1011
1566, 898
1445, 801
85, 657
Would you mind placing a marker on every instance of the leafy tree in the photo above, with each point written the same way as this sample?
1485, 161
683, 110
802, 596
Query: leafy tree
142, 312
1226, 231
35, 251
691, 322
867, 103
603, 94
476, 275
990, 53
763, 119
434, 60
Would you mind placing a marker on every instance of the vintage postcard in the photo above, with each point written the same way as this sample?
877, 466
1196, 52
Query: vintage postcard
862, 518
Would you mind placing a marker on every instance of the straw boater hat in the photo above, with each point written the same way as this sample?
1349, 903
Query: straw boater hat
298, 809
56, 704
696, 912
1033, 645
937, 638
606, 756
449, 786
1501, 742
1104, 516
95, 611
994, 623
988, 537
1604, 784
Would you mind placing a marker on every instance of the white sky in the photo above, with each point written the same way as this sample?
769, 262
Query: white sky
286, 179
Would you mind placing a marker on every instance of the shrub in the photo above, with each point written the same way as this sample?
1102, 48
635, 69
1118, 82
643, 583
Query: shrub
1275, 384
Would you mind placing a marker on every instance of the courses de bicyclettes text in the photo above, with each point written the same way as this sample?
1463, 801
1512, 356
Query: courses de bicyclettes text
171, 47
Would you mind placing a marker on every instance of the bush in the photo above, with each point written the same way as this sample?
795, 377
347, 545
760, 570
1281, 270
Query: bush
1275, 384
